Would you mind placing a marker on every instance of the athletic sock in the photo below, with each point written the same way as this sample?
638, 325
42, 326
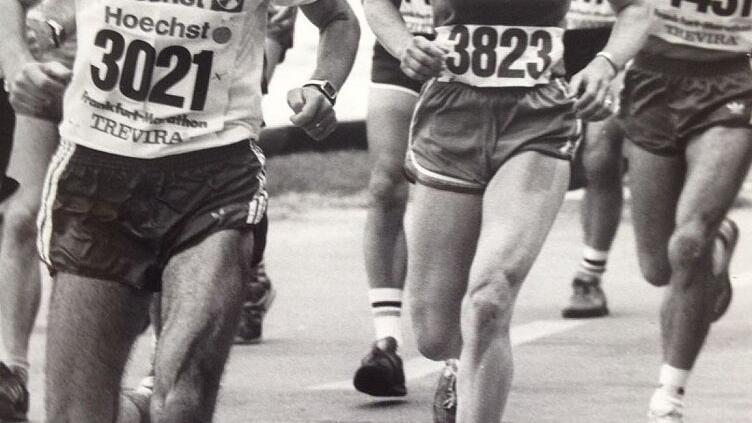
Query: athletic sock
593, 263
673, 380
386, 307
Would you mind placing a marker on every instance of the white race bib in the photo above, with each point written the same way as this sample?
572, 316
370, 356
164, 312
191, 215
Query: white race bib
590, 14
501, 56
145, 70
418, 16
723, 25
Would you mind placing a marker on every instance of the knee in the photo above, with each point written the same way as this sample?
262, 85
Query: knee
602, 167
434, 331
19, 223
489, 305
656, 275
689, 243
387, 187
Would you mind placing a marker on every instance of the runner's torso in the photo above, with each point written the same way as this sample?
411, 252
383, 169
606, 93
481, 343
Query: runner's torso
159, 77
586, 14
513, 43
701, 30
418, 15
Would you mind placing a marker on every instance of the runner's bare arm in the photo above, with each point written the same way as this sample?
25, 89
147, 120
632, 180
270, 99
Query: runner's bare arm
419, 58
338, 44
591, 86
13, 49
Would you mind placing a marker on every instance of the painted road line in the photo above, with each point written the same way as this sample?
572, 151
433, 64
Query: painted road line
420, 367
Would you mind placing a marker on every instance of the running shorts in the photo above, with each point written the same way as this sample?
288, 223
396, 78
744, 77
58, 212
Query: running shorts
121, 219
385, 69
666, 101
7, 125
461, 135
581, 46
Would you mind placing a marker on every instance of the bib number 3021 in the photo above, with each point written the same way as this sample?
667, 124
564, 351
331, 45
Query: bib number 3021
500, 55
134, 77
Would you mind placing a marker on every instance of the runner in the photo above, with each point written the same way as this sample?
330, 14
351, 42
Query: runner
391, 101
597, 166
490, 143
35, 137
687, 105
157, 186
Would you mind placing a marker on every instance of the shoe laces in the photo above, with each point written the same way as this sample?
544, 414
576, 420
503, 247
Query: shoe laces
451, 392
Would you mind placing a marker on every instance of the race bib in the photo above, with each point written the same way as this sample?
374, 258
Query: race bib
501, 56
590, 14
146, 69
418, 16
710, 24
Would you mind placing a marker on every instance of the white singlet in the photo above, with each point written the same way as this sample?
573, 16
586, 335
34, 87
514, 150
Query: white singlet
713, 25
418, 16
590, 14
160, 77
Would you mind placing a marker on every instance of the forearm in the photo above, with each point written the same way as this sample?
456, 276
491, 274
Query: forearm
387, 23
630, 31
13, 48
338, 43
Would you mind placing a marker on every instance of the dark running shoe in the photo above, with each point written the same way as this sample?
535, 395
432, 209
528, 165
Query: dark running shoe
14, 397
445, 399
381, 373
728, 233
587, 300
260, 296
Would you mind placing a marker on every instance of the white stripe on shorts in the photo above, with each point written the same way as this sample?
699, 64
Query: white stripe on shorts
44, 219
394, 87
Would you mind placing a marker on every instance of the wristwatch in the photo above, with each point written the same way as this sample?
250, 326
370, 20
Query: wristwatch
325, 87
57, 32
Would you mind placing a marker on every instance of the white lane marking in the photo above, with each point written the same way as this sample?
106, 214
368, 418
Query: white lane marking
419, 367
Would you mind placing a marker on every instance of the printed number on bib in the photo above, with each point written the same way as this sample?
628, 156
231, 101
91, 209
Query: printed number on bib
134, 78
501, 56
741, 8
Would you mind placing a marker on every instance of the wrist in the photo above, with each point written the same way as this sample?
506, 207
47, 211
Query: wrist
326, 88
609, 58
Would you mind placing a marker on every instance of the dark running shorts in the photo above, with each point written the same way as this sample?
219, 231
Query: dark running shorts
461, 135
121, 219
385, 70
666, 101
7, 125
581, 46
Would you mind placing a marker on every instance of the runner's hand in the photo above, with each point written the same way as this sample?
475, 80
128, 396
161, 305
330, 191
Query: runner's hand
38, 36
422, 59
37, 88
313, 112
591, 88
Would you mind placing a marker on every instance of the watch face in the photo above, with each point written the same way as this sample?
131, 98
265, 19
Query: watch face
329, 89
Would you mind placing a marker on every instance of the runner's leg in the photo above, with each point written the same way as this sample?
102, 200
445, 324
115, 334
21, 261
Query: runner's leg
519, 207
92, 325
201, 301
441, 239
20, 284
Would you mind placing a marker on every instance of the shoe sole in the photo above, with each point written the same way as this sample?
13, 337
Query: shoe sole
584, 313
370, 380
723, 299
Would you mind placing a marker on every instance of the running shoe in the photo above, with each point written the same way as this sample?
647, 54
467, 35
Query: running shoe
587, 300
14, 397
665, 409
445, 398
381, 373
260, 296
728, 232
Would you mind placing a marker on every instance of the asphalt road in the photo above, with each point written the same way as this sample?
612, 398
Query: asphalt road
591, 371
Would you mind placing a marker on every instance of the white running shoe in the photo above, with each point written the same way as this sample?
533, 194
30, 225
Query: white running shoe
665, 408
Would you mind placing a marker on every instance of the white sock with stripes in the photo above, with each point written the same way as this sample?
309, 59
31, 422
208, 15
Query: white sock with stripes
593, 263
386, 307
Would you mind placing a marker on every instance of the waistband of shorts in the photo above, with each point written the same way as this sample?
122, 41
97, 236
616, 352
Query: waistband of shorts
89, 156
683, 67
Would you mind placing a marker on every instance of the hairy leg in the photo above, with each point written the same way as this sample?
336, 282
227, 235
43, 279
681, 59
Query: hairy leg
92, 325
388, 123
717, 163
201, 301
441, 239
519, 207
20, 282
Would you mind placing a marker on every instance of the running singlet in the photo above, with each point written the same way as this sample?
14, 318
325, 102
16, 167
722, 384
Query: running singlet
160, 77
515, 43
584, 14
418, 16
710, 24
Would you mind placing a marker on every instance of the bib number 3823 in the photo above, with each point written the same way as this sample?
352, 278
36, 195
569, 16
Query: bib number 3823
500, 56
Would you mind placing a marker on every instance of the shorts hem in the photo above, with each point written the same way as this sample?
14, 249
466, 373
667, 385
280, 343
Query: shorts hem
416, 174
394, 87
